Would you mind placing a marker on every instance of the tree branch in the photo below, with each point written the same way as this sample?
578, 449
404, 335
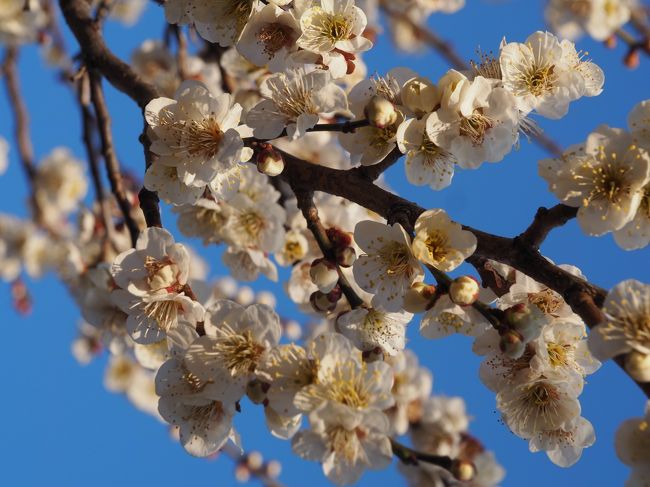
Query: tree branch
546, 219
108, 151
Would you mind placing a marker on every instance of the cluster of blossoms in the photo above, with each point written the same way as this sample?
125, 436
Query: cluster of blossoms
190, 352
598, 18
608, 179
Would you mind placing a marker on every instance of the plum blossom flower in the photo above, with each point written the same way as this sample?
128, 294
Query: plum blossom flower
603, 178
478, 120
333, 27
196, 135
343, 378
564, 445
345, 443
441, 242
426, 163
370, 328
293, 101
446, 318
220, 22
151, 280
388, 266
599, 18
269, 37
632, 444
236, 340
627, 327
546, 75
541, 404
20, 21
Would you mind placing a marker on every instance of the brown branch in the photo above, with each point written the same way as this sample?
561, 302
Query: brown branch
149, 201
409, 456
344, 127
21, 125
305, 199
77, 14
108, 151
375, 170
546, 219
583, 297
89, 126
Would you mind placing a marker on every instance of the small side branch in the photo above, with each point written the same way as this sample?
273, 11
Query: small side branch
410, 456
108, 151
546, 219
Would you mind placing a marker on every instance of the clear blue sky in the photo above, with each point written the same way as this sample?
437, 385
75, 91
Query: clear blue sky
62, 428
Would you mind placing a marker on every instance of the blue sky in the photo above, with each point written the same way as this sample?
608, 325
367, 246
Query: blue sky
61, 427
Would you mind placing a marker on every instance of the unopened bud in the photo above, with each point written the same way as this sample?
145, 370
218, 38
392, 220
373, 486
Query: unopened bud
324, 275
526, 319
273, 469
419, 297
254, 460
380, 112
420, 95
463, 470
346, 257
339, 238
242, 473
610, 42
464, 290
512, 344
270, 162
321, 303
292, 330
637, 365
245, 296
632, 59
256, 391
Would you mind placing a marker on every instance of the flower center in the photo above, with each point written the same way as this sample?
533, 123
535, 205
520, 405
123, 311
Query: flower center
345, 443
335, 27
274, 37
558, 354
240, 353
436, 243
164, 313
205, 415
475, 127
293, 97
395, 257
547, 301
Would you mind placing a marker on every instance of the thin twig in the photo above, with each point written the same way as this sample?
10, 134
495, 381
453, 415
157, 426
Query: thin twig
89, 126
343, 127
21, 125
409, 456
546, 219
108, 151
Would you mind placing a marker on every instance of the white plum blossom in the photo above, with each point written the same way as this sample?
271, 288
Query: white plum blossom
544, 74
269, 37
477, 122
388, 267
599, 18
370, 328
541, 404
151, 279
441, 242
426, 163
627, 327
632, 444
235, 342
195, 134
345, 443
564, 445
221, 22
604, 178
20, 21
294, 100
332, 28
446, 318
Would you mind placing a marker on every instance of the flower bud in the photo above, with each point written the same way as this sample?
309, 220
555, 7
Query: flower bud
321, 303
324, 274
464, 290
526, 319
270, 162
420, 95
346, 257
339, 238
242, 473
610, 42
256, 391
254, 460
380, 112
637, 364
292, 330
512, 344
273, 469
419, 297
632, 59
463, 470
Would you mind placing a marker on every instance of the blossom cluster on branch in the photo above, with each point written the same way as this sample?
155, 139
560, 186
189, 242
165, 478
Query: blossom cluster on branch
267, 137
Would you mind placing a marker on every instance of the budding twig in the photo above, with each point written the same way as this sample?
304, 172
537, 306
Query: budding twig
343, 127
108, 151
410, 456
